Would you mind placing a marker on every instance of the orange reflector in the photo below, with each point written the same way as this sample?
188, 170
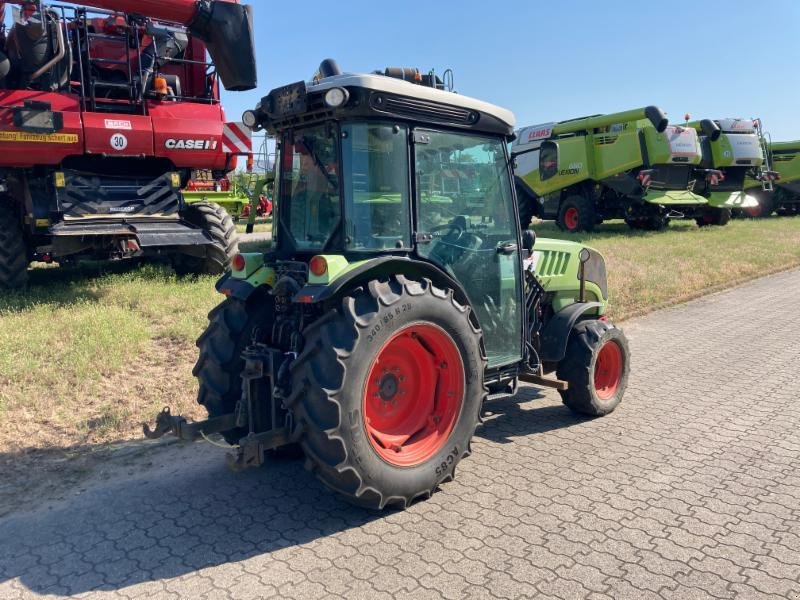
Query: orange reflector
160, 85
238, 263
318, 266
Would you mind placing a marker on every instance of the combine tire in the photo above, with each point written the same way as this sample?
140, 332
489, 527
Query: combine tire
231, 328
577, 214
217, 223
764, 209
527, 207
596, 366
714, 216
13, 253
387, 391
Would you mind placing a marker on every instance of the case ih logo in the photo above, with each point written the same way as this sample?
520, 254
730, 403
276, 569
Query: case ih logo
173, 144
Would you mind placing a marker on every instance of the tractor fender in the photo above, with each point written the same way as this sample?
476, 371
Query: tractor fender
556, 333
380, 267
232, 287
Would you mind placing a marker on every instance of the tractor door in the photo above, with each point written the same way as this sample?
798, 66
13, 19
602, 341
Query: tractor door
466, 224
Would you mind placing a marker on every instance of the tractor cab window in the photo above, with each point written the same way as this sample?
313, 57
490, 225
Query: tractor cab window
466, 213
377, 186
310, 205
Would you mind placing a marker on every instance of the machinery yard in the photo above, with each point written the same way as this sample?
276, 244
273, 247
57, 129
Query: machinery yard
348, 284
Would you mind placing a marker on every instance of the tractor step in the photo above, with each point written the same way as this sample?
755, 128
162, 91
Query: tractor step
555, 384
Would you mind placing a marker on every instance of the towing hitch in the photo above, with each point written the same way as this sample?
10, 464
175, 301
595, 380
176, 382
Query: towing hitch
258, 412
182, 429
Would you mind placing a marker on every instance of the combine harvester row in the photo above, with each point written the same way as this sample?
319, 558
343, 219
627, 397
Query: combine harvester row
635, 166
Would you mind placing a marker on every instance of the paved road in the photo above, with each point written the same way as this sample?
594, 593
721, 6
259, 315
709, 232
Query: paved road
690, 490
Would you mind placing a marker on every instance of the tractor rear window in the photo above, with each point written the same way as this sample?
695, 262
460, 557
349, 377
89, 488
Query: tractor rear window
310, 186
377, 186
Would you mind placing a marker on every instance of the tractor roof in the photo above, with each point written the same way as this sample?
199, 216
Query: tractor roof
377, 95
382, 83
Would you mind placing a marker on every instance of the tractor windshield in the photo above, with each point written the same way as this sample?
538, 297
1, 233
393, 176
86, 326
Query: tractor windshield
310, 186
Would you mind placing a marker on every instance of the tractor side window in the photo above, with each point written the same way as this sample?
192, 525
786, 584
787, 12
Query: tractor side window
377, 186
310, 187
466, 211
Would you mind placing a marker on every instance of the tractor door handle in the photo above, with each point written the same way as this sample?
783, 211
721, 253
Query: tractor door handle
507, 248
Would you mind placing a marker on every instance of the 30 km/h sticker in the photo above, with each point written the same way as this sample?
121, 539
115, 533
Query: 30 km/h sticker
119, 142
38, 138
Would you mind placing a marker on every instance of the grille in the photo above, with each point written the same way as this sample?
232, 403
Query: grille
552, 263
86, 196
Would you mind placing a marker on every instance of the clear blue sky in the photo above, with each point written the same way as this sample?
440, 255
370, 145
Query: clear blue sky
555, 60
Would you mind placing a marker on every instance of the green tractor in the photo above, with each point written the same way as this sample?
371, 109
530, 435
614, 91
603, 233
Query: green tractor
734, 150
226, 192
630, 165
784, 198
399, 295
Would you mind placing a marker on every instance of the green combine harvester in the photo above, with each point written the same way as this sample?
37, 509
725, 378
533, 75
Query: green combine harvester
734, 150
630, 165
785, 196
228, 194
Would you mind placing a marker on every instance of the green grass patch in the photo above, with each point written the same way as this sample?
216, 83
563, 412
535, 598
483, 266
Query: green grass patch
87, 353
652, 269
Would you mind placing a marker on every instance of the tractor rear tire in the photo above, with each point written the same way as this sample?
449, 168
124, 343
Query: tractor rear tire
218, 224
231, 328
387, 435
13, 252
714, 216
576, 214
596, 366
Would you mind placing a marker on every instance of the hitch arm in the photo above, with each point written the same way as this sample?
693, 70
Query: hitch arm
184, 430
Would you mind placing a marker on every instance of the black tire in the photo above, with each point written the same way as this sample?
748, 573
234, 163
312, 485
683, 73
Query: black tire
766, 206
231, 328
218, 224
579, 363
328, 380
527, 206
714, 216
655, 223
586, 217
13, 252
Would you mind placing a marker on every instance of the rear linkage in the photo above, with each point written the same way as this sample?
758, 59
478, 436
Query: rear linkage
263, 365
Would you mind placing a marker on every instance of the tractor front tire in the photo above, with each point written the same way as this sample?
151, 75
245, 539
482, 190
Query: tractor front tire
231, 328
714, 216
13, 252
218, 224
387, 391
596, 366
577, 213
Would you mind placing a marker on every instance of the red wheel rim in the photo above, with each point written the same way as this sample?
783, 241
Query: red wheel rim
413, 394
608, 370
571, 217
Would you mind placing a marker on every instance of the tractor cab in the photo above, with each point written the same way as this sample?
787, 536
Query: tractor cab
373, 165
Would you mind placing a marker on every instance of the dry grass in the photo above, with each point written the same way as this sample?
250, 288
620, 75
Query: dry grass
87, 354
647, 270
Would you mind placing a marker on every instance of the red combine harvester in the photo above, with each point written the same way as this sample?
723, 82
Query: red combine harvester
106, 107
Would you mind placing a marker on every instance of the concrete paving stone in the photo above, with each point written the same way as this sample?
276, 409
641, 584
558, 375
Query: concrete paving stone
689, 490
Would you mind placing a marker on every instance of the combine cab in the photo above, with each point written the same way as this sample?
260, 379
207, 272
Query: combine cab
104, 113
631, 165
735, 151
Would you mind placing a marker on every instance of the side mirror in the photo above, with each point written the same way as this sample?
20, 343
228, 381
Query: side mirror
528, 240
548, 160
